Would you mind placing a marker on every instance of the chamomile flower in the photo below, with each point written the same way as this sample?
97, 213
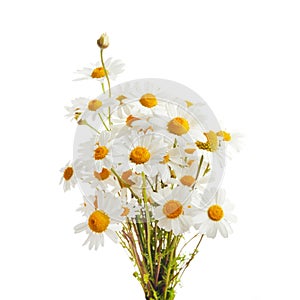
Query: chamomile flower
216, 217
76, 110
149, 97
140, 152
96, 71
179, 124
174, 211
103, 217
97, 152
68, 177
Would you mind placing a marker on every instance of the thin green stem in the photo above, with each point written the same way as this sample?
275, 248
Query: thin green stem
103, 122
105, 71
125, 184
148, 220
93, 128
103, 88
170, 265
182, 270
198, 170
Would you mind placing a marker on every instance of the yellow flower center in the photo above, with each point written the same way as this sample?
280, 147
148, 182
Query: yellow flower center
104, 174
215, 212
178, 126
68, 173
98, 221
166, 159
225, 135
100, 152
98, 73
148, 100
131, 119
172, 209
125, 212
94, 105
211, 144
187, 180
139, 155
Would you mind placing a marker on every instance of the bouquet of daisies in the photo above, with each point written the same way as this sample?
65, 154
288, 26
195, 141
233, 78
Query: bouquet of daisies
149, 158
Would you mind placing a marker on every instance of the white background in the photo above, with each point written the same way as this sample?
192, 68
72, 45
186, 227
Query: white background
242, 57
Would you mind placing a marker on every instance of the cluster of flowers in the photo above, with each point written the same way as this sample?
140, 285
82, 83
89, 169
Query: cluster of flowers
146, 157
149, 162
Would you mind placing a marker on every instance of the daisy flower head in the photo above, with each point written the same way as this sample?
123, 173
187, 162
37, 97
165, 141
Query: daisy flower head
77, 109
95, 71
97, 152
103, 216
178, 124
140, 152
148, 97
217, 216
174, 211
68, 177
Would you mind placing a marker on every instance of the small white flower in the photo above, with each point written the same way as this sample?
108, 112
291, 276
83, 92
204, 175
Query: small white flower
97, 153
68, 177
140, 152
77, 109
178, 124
96, 71
103, 217
216, 217
175, 211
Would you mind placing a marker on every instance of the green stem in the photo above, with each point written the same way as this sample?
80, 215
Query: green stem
103, 121
103, 88
93, 128
189, 261
125, 184
148, 220
105, 71
170, 265
198, 170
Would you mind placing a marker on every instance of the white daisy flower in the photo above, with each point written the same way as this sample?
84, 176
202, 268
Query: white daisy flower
179, 124
68, 178
96, 71
150, 98
216, 217
76, 110
97, 153
140, 152
175, 211
103, 218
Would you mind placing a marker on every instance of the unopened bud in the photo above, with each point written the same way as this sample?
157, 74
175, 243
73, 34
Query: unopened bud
103, 41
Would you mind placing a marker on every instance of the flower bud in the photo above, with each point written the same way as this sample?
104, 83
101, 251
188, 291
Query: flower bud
103, 41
